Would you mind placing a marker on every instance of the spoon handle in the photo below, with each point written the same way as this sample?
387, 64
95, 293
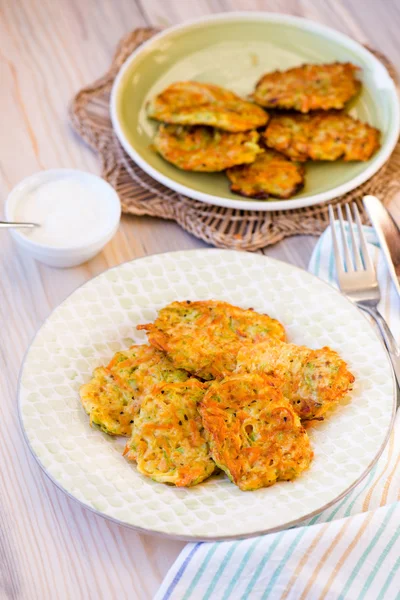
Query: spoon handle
8, 224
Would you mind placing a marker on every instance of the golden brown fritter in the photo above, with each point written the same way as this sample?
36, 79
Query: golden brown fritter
141, 369
205, 149
271, 174
312, 380
194, 103
168, 440
290, 134
107, 403
308, 87
112, 397
322, 136
204, 337
254, 434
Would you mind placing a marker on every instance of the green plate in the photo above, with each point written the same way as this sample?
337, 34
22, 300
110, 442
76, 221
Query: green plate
234, 50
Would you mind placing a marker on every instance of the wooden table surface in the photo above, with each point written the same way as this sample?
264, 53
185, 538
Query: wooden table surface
50, 546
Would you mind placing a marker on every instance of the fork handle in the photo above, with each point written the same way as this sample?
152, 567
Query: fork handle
390, 343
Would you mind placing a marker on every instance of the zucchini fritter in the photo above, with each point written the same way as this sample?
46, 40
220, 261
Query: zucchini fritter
312, 380
194, 103
308, 87
142, 368
204, 337
254, 434
167, 440
271, 174
322, 136
205, 149
112, 397
107, 403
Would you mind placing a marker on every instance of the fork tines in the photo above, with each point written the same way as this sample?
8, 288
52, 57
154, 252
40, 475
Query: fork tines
356, 257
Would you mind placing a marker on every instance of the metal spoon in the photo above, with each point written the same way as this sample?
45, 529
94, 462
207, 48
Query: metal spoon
8, 224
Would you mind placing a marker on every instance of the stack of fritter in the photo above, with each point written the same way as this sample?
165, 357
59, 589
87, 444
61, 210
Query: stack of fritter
207, 128
218, 386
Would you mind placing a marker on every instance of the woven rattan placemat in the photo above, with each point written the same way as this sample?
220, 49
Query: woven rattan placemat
222, 227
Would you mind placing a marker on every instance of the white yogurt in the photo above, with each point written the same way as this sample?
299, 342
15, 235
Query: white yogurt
69, 211
78, 214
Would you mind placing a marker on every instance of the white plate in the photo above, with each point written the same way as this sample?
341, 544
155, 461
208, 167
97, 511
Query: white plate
217, 49
100, 317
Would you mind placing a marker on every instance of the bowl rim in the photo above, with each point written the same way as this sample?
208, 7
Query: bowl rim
386, 84
53, 174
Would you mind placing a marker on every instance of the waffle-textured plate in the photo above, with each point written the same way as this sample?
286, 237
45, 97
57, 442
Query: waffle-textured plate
234, 50
100, 317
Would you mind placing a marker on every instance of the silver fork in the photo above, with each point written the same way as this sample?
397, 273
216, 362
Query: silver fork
357, 277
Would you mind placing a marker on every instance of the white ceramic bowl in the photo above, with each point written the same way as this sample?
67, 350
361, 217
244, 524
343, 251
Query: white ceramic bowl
73, 254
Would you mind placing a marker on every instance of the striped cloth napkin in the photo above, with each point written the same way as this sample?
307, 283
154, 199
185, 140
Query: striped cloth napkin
350, 551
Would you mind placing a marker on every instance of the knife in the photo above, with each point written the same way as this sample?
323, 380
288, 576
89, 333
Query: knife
388, 235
